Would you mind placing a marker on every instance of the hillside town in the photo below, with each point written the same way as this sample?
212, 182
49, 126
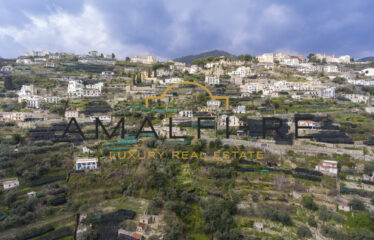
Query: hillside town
274, 146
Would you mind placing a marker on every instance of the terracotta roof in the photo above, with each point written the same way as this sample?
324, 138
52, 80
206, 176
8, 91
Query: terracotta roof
137, 236
344, 204
142, 225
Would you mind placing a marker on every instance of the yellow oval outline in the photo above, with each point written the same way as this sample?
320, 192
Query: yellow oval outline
226, 98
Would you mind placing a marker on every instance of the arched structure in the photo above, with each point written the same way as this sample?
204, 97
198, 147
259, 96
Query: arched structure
226, 98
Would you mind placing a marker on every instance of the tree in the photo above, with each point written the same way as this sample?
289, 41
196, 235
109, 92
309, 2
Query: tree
357, 204
246, 57
128, 225
304, 232
363, 235
217, 215
155, 206
113, 56
309, 203
369, 168
8, 83
310, 57
10, 197
323, 213
311, 221
339, 80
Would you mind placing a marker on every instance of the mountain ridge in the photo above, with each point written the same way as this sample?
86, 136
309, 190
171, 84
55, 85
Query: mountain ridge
214, 53
366, 59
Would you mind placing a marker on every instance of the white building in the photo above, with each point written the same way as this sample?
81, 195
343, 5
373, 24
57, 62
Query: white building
13, 116
25, 61
77, 89
211, 80
328, 92
344, 59
333, 59
104, 118
361, 82
50, 64
369, 110
31, 194
86, 163
33, 101
343, 206
97, 61
330, 69
266, 58
40, 60
28, 93
52, 99
172, 80
193, 69
186, 113
7, 69
9, 184
241, 72
259, 226
92, 53
357, 98
308, 123
213, 104
233, 121
71, 114
107, 74
164, 72
143, 59
296, 97
87, 150
54, 57
27, 90
250, 88
240, 110
292, 61
37, 53
328, 167
368, 177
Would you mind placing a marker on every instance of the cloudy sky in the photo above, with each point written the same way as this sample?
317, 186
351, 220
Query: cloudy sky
173, 28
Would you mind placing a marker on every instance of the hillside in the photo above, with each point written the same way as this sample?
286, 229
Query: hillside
215, 53
366, 59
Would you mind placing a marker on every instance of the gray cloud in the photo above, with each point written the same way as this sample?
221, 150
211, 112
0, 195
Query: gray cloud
171, 28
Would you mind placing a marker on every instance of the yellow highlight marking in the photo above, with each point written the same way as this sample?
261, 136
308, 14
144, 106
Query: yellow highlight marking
226, 98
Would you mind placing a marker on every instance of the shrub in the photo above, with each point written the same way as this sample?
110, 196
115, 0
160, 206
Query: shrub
128, 225
323, 213
278, 216
312, 222
304, 232
309, 203
155, 206
357, 204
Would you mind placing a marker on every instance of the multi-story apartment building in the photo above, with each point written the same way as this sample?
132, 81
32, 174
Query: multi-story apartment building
211, 80
266, 58
328, 167
186, 113
357, 98
86, 163
143, 59
77, 89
